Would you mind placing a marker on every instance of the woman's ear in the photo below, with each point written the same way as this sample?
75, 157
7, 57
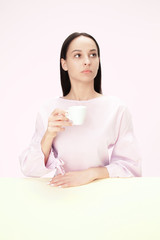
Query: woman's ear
64, 64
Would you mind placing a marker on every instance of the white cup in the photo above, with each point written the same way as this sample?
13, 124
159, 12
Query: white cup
76, 114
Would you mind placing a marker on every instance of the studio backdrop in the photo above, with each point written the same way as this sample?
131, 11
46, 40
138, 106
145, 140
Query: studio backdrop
31, 35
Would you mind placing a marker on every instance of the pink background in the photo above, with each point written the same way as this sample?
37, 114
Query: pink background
31, 35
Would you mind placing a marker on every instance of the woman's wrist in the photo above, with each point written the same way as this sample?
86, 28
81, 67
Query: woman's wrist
49, 135
47, 139
99, 173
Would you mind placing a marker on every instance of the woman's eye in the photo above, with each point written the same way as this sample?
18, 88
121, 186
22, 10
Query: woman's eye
77, 55
93, 55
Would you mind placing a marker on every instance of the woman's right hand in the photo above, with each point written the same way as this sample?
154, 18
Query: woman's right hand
57, 122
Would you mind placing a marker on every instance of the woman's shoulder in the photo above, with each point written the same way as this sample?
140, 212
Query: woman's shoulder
115, 105
114, 101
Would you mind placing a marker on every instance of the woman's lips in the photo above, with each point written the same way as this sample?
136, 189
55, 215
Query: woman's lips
86, 71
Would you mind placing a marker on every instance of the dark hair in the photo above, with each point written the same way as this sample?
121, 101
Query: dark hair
65, 81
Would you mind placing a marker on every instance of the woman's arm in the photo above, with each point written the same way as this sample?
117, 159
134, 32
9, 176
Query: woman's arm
46, 145
56, 123
32, 158
99, 172
125, 159
38, 159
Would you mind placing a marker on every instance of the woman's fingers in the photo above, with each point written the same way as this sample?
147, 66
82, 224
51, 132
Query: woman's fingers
55, 129
58, 121
60, 181
58, 117
59, 124
58, 111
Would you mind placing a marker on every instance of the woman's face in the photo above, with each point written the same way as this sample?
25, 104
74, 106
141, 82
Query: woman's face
82, 61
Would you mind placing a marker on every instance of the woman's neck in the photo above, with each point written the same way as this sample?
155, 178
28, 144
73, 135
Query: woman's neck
77, 96
82, 92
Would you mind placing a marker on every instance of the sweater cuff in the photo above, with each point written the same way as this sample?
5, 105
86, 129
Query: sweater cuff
116, 171
32, 162
55, 163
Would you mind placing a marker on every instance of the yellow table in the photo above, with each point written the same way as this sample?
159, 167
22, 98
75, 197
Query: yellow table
108, 209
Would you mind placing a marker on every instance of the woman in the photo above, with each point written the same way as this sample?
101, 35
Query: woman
78, 155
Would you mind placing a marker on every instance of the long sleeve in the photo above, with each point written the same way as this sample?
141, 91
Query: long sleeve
125, 159
32, 159
107, 125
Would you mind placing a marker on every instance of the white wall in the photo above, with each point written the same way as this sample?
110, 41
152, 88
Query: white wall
31, 35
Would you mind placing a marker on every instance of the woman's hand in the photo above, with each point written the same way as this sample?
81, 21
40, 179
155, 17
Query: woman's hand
72, 179
57, 121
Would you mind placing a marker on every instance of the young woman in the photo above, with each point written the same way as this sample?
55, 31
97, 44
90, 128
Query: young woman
78, 155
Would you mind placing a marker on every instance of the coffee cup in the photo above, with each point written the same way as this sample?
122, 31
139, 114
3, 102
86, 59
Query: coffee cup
76, 114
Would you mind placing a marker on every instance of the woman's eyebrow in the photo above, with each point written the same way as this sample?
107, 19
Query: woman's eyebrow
92, 50
77, 50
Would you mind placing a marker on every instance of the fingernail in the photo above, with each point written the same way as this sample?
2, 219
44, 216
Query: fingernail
52, 184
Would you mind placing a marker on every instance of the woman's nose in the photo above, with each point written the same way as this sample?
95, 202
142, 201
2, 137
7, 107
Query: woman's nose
86, 61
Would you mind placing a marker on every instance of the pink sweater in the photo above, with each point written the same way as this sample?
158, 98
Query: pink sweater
107, 124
